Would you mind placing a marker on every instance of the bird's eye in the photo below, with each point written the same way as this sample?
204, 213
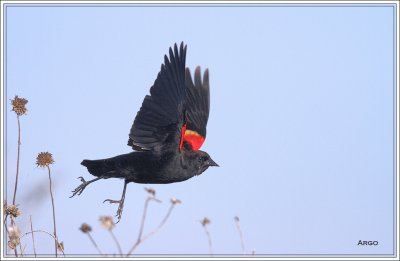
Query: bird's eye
203, 159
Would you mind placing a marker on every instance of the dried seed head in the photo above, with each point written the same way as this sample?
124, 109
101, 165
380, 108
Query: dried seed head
12, 244
175, 201
60, 247
107, 222
85, 228
236, 218
151, 191
205, 221
18, 105
44, 159
14, 235
13, 211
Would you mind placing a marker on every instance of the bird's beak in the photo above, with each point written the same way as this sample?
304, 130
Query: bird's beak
212, 163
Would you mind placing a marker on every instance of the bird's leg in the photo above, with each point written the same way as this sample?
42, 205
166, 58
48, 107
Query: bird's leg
121, 202
82, 186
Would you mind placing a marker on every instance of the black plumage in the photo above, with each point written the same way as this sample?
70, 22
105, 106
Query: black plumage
166, 134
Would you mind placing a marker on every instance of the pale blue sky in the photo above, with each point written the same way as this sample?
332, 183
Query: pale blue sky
301, 124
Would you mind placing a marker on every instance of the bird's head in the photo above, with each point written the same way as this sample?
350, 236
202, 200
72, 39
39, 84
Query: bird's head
202, 161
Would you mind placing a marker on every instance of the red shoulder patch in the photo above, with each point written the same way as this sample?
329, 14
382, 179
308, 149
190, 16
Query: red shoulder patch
194, 139
191, 137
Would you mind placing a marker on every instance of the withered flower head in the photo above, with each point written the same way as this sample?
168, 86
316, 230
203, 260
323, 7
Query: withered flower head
85, 228
18, 105
107, 222
236, 218
151, 191
60, 247
175, 201
13, 211
44, 159
205, 221
14, 236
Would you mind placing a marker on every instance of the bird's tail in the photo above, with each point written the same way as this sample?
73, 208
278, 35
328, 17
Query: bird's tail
100, 168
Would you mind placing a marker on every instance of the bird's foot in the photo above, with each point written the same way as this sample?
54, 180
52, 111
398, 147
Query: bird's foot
80, 188
112, 201
120, 207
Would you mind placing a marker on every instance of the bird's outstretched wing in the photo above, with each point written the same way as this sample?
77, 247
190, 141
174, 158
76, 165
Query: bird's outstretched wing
160, 119
197, 109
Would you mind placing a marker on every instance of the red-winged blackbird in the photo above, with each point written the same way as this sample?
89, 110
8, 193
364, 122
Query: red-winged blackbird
166, 134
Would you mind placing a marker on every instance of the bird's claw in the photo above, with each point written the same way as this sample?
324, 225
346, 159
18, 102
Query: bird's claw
112, 201
78, 190
120, 207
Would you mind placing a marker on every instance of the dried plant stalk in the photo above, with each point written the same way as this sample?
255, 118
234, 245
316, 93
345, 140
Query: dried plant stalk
17, 174
18, 106
54, 214
209, 240
140, 239
237, 222
94, 243
116, 242
18, 156
204, 223
33, 238
86, 229
45, 232
108, 223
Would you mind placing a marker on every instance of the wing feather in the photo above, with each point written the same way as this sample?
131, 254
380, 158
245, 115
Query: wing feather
159, 119
197, 101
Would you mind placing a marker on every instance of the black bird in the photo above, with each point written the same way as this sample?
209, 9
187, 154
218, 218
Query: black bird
166, 134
